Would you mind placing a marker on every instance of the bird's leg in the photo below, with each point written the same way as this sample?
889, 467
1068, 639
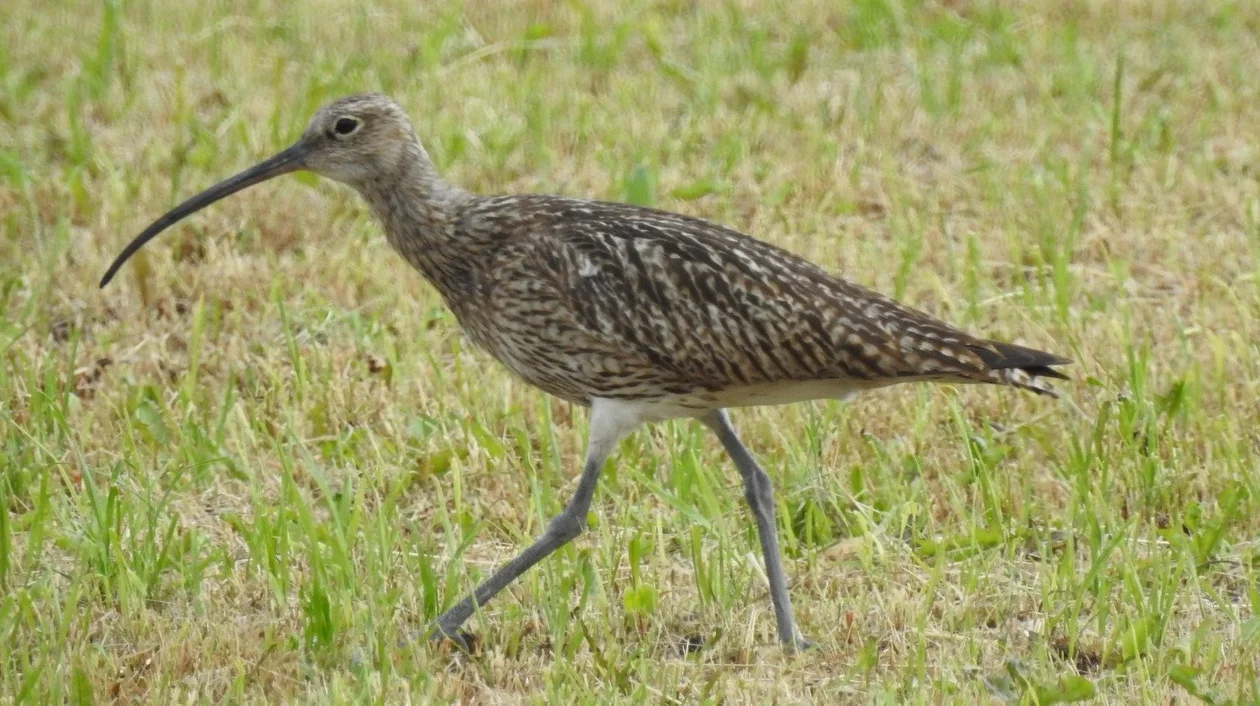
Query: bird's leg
760, 496
560, 531
610, 421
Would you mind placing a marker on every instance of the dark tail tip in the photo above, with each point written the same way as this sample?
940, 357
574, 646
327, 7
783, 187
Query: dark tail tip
999, 356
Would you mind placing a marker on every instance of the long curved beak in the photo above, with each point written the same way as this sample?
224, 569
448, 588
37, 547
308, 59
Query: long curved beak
290, 160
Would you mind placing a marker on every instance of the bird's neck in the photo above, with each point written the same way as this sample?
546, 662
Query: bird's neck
419, 211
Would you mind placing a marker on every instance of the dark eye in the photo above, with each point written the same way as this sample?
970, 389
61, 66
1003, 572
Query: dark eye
345, 126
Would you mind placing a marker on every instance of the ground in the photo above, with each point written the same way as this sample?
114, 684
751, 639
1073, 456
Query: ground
250, 467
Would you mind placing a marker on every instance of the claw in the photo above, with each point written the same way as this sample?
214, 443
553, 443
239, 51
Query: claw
462, 639
800, 644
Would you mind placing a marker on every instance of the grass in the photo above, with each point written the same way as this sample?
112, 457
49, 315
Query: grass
266, 448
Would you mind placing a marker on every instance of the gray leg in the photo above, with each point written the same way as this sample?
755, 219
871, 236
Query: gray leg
610, 421
760, 496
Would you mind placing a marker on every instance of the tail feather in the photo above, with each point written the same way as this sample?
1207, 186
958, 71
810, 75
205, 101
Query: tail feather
1020, 367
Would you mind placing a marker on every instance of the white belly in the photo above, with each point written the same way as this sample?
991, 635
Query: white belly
788, 393
695, 405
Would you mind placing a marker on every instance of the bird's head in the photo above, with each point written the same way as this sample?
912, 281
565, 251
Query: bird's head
355, 140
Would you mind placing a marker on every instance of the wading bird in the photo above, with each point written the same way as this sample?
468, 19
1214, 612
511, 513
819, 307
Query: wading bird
639, 314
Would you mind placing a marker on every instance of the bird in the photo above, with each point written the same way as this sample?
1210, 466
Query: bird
639, 314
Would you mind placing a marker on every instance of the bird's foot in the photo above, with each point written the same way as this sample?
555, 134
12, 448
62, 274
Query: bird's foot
800, 644
462, 639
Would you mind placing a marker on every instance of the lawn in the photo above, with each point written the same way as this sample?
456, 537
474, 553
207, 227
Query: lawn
264, 456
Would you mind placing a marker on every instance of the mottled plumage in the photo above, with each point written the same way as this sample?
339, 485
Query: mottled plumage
638, 313
588, 299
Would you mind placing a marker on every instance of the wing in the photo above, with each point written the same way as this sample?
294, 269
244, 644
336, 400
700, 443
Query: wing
718, 308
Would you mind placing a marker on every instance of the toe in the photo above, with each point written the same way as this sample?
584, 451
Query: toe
800, 644
462, 639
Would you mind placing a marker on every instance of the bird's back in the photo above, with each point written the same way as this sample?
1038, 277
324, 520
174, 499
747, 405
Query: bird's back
587, 298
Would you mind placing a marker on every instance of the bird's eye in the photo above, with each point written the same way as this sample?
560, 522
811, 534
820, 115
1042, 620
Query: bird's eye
345, 126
